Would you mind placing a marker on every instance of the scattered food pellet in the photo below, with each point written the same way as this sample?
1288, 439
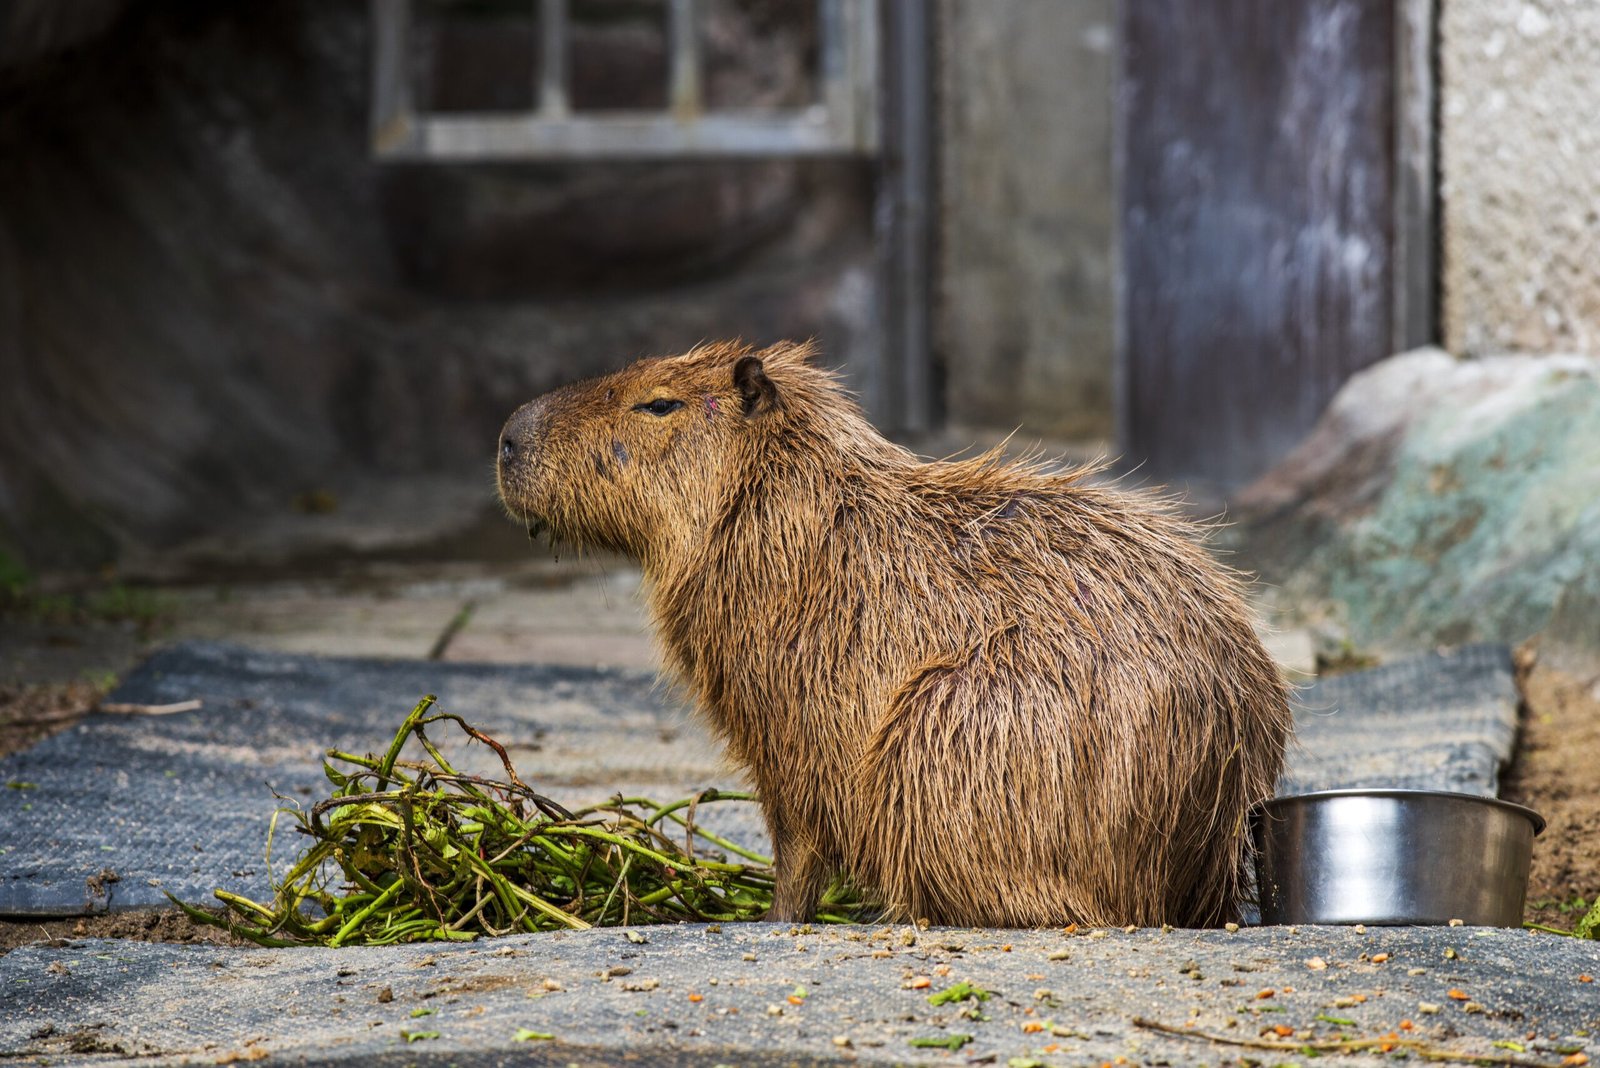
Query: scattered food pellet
1361, 928
697, 997
385, 996
1575, 1059
842, 1041
1427, 1008
1231, 928
774, 1010
752, 956
1456, 923
795, 1000
1379, 958
877, 953
919, 982
1099, 934
1261, 994
1006, 948
713, 980
1030, 1027
1416, 971
713, 928
551, 985
1132, 927
1586, 978
942, 970
1070, 929
1317, 964
635, 937
908, 937
1061, 954
1473, 1007
1406, 1025
1282, 1032
1457, 994
1451, 954
641, 986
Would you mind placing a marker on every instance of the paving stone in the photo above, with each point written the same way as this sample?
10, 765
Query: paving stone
759, 994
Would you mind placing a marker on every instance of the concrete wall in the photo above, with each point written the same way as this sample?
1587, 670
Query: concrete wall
214, 303
1023, 297
1520, 159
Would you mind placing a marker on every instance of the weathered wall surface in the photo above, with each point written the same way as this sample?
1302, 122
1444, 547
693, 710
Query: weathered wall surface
1023, 286
1520, 141
212, 300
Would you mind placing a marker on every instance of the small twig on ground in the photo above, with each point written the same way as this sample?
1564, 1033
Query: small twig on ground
1425, 1050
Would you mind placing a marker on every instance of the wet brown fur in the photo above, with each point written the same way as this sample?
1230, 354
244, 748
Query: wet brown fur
991, 693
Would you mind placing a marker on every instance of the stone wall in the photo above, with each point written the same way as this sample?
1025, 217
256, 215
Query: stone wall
1023, 299
214, 303
1520, 141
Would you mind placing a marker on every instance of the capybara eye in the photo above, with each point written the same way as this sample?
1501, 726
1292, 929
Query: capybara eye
660, 406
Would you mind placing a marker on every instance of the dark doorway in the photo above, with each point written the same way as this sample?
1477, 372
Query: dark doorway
1256, 162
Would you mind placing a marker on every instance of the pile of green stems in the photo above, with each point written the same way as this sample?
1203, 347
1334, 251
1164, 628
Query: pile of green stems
409, 851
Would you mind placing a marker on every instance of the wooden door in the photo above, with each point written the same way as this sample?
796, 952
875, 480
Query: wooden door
1256, 165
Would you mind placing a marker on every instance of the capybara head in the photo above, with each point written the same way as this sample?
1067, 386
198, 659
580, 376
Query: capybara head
628, 460
989, 693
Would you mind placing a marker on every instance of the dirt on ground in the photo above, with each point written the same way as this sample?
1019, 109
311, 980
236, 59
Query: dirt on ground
31, 713
141, 925
1557, 773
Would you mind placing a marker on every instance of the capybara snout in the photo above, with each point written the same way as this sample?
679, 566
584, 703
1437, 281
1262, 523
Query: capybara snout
989, 692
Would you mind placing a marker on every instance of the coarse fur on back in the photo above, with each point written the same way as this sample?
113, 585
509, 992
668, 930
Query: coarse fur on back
990, 692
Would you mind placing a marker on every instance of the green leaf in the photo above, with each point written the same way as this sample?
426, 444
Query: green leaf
961, 991
949, 1042
525, 1035
418, 1036
1339, 1020
1589, 926
415, 1013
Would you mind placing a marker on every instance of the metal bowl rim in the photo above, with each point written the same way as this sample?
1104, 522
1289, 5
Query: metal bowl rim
1402, 794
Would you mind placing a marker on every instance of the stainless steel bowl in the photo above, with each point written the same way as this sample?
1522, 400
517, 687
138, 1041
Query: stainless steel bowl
1393, 857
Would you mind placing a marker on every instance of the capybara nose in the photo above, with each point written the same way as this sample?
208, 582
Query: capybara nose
516, 438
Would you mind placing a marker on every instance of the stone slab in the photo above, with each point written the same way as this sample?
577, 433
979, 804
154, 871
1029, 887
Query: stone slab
755, 994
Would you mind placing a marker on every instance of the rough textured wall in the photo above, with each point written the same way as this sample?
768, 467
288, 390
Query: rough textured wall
1023, 297
214, 303
1520, 158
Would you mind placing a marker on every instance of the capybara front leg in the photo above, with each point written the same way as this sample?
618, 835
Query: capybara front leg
801, 877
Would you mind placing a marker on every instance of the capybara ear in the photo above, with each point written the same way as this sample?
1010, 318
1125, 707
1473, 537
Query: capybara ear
760, 395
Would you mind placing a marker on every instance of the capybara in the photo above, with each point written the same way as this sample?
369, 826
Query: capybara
990, 693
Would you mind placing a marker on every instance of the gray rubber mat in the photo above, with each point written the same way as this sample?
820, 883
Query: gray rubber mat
1443, 721
112, 812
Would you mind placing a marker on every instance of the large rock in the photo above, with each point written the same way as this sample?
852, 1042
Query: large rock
1441, 501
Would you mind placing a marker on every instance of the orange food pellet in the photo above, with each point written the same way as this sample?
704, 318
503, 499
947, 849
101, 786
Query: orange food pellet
1575, 1059
1288, 990
1457, 994
1585, 978
1406, 1025
697, 997
1379, 958
1265, 993
1070, 928
1006, 948
1032, 1027
1052, 1047
796, 999
921, 982
943, 969
1282, 1031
